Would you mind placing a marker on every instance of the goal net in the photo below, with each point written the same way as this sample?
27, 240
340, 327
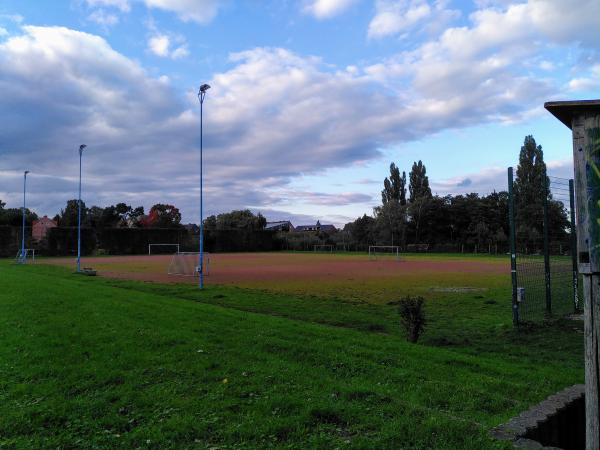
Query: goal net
163, 249
378, 251
187, 264
323, 248
25, 256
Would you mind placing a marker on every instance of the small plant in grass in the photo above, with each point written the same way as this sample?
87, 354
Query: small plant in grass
412, 316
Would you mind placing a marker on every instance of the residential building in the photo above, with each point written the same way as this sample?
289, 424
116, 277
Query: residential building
41, 227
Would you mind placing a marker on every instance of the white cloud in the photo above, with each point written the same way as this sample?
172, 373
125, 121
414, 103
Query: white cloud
200, 11
180, 52
584, 84
162, 45
325, 9
547, 65
399, 17
393, 17
159, 45
3, 32
271, 107
122, 5
481, 65
103, 18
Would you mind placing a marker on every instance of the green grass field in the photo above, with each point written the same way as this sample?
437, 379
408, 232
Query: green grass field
99, 363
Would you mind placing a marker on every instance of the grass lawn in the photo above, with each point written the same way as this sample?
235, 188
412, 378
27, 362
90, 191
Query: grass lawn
92, 362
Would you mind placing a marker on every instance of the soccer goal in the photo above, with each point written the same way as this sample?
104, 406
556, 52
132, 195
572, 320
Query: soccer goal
377, 251
25, 256
323, 248
163, 249
187, 264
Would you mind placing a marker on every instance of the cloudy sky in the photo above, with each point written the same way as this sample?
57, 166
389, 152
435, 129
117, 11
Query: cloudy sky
310, 101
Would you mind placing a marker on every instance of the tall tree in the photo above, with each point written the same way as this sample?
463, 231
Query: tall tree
420, 196
531, 186
394, 187
419, 182
69, 216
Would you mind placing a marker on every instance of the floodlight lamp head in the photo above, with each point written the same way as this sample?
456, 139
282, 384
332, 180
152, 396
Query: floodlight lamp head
204, 88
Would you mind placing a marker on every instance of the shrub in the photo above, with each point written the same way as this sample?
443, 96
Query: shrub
412, 316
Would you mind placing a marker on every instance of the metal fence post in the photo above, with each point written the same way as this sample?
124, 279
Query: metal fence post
513, 247
547, 249
574, 246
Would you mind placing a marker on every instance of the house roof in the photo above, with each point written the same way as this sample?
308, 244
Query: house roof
317, 225
45, 219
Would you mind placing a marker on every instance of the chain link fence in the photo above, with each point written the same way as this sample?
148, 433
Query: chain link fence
543, 250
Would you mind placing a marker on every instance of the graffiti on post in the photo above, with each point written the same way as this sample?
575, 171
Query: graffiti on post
593, 191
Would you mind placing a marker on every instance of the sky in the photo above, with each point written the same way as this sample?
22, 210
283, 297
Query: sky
310, 100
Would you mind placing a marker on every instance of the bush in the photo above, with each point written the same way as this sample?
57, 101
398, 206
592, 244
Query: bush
412, 316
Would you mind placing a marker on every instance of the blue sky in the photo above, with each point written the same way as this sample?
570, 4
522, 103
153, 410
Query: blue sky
310, 102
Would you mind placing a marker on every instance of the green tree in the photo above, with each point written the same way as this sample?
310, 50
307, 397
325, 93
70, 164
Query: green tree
68, 217
163, 216
210, 223
136, 216
531, 186
420, 196
391, 222
419, 182
94, 216
394, 187
238, 219
362, 231
14, 217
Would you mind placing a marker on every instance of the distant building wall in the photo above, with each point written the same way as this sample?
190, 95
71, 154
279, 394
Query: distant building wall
41, 227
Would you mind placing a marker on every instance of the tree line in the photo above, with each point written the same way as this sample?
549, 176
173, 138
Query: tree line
451, 222
120, 215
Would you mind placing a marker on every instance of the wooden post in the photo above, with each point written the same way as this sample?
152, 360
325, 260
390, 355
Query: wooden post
583, 117
576, 304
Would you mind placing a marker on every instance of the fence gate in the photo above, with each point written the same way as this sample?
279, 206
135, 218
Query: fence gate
543, 249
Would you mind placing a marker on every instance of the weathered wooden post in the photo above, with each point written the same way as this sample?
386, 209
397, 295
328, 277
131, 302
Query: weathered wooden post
583, 118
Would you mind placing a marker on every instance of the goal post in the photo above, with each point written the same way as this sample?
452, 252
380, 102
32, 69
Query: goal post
24, 256
186, 264
323, 248
163, 249
376, 251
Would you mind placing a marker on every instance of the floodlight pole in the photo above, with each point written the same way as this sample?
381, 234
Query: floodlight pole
81, 147
201, 95
23, 231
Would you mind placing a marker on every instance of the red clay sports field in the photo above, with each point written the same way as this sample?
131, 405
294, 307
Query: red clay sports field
348, 275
